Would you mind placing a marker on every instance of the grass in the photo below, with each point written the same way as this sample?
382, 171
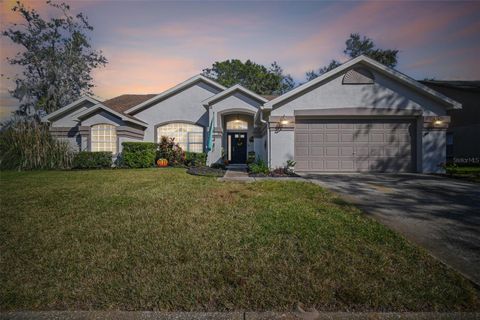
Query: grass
160, 239
467, 173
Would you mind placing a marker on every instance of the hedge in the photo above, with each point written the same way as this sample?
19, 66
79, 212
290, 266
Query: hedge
195, 159
92, 160
139, 154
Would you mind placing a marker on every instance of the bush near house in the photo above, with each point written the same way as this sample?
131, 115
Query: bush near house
258, 167
195, 159
170, 150
92, 160
139, 154
28, 145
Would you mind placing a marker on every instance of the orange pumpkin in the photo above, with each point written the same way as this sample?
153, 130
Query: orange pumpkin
162, 162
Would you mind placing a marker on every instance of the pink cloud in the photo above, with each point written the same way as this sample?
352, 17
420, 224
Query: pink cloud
134, 71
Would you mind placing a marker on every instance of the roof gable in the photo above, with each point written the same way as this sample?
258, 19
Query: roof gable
174, 90
100, 106
236, 88
68, 108
365, 61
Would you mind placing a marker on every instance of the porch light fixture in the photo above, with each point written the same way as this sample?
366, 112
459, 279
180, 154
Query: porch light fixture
283, 121
437, 122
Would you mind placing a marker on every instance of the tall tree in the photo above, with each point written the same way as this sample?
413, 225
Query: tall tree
56, 57
251, 75
310, 75
355, 46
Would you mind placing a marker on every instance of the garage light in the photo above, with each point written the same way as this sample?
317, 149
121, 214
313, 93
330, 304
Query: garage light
437, 122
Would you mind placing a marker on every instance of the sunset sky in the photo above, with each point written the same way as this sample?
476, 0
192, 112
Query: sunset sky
153, 45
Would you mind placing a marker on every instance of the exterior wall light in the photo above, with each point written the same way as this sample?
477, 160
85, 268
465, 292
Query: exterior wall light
284, 122
437, 122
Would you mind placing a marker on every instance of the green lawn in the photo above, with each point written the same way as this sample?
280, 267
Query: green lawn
159, 239
467, 173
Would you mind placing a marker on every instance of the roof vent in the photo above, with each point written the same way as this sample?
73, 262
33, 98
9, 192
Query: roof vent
358, 76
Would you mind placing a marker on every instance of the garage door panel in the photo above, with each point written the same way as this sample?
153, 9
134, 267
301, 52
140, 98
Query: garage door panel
332, 151
302, 164
347, 137
332, 164
301, 151
361, 137
353, 145
316, 165
377, 137
316, 151
347, 165
316, 137
346, 151
375, 151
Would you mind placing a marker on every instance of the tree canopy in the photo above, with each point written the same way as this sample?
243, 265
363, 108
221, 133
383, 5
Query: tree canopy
251, 75
56, 58
355, 46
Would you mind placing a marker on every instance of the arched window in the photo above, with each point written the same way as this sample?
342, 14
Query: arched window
188, 136
237, 125
104, 138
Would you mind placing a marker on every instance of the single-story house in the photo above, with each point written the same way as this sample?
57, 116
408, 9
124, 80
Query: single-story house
361, 116
464, 128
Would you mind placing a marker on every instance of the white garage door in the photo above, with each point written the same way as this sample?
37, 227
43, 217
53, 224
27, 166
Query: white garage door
354, 145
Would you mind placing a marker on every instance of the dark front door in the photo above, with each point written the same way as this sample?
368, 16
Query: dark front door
238, 147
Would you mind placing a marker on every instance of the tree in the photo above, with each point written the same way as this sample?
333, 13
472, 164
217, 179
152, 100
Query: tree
251, 75
56, 57
355, 46
310, 75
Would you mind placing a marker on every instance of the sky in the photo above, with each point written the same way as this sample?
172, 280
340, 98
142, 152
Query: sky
154, 45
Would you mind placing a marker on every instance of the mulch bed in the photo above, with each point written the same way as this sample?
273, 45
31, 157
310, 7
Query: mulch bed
206, 171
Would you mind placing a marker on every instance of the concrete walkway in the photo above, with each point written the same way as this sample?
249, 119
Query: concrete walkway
151, 315
438, 213
237, 173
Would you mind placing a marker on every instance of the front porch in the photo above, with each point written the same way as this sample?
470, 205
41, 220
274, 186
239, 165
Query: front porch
237, 136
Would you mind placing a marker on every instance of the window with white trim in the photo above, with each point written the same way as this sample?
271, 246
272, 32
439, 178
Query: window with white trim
104, 138
188, 136
237, 125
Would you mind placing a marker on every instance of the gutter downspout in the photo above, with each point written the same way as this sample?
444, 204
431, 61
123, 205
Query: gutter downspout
268, 135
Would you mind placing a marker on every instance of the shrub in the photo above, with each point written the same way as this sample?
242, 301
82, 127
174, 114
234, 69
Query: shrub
195, 159
28, 145
168, 149
218, 165
92, 160
251, 157
258, 167
139, 154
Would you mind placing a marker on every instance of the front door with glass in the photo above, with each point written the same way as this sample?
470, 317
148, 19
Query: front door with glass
237, 147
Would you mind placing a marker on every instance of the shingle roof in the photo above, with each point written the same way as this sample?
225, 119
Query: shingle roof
126, 101
457, 84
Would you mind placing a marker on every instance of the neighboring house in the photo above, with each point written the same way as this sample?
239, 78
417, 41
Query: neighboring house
464, 129
361, 116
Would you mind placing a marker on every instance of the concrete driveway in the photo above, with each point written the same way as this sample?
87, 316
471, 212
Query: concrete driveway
440, 214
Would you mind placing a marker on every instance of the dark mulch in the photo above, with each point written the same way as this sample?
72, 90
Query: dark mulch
206, 171
274, 174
